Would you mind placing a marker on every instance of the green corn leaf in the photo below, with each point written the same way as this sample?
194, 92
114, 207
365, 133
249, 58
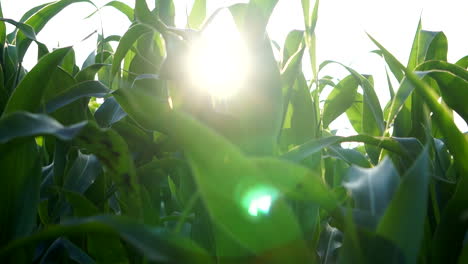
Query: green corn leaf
90, 60
21, 175
3, 36
154, 243
464, 255
313, 146
452, 81
74, 112
427, 45
291, 45
109, 113
310, 21
166, 11
407, 211
393, 64
447, 83
3, 91
372, 123
261, 110
112, 152
295, 90
329, 243
68, 63
26, 29
73, 252
80, 90
354, 113
39, 19
296, 181
24, 96
120, 6
24, 124
114, 250
256, 18
292, 64
28, 14
88, 73
398, 102
83, 173
351, 156
438, 47
463, 62
142, 13
231, 199
123, 8
197, 14
238, 12
456, 141
300, 118
340, 99
126, 43
369, 247
149, 111
372, 189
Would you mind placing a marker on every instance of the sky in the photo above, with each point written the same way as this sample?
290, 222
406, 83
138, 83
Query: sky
341, 30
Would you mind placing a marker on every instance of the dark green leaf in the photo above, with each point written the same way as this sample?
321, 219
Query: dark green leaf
23, 124
80, 90
351, 156
3, 36
26, 29
340, 99
313, 146
407, 211
21, 175
29, 92
83, 172
73, 252
372, 189
88, 73
109, 113
154, 243
112, 152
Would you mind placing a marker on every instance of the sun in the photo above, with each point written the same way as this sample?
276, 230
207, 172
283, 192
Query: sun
218, 60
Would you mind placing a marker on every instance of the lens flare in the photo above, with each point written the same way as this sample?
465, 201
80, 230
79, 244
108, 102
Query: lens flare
218, 60
261, 204
259, 200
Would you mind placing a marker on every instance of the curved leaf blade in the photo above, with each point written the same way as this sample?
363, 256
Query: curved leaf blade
24, 124
407, 211
29, 92
340, 99
126, 43
80, 90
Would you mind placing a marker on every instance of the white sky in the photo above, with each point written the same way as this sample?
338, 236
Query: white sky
340, 30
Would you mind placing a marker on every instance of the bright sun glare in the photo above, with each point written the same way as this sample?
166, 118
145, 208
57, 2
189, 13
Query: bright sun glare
219, 60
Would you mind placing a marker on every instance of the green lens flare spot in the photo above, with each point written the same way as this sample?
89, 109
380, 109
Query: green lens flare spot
259, 200
262, 204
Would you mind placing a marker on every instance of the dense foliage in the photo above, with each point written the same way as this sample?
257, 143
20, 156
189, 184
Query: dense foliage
138, 179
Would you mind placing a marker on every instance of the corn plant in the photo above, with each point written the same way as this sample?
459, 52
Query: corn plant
158, 174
